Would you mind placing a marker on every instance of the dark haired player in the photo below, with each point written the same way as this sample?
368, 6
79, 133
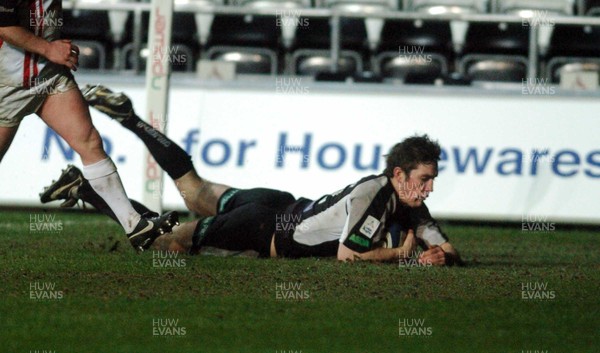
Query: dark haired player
351, 223
35, 78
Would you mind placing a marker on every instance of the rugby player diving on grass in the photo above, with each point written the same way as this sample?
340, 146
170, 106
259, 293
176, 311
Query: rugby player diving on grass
350, 224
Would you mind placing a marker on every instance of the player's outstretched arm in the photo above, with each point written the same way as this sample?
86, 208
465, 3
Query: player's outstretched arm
380, 254
451, 255
439, 250
444, 254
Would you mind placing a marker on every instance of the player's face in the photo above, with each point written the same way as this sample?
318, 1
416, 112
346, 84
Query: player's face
415, 187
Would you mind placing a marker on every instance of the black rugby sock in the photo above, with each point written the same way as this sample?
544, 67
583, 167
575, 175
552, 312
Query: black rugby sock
171, 158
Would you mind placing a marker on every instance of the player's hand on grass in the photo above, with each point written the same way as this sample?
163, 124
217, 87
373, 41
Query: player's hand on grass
63, 52
409, 245
434, 256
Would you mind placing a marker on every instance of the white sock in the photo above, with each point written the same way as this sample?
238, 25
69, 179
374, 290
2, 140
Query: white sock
105, 180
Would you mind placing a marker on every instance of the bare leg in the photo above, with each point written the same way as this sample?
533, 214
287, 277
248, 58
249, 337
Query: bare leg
200, 195
180, 240
68, 115
7, 134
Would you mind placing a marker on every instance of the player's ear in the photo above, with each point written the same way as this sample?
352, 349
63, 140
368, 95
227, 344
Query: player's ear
399, 174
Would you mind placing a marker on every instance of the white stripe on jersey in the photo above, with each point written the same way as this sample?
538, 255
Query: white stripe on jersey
430, 232
323, 227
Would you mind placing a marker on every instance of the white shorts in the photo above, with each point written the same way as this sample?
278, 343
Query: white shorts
18, 102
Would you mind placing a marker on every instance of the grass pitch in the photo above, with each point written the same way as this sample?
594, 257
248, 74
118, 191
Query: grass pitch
72, 290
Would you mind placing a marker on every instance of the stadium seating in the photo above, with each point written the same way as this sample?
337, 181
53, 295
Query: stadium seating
91, 54
526, 8
279, 4
286, 13
118, 20
184, 49
100, 32
364, 6
437, 7
90, 30
393, 49
414, 48
252, 42
592, 8
573, 47
179, 56
312, 46
495, 52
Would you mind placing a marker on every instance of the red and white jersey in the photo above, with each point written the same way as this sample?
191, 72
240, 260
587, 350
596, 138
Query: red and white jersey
20, 68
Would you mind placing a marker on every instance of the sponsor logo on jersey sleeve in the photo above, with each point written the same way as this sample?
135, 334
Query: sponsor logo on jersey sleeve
359, 240
369, 226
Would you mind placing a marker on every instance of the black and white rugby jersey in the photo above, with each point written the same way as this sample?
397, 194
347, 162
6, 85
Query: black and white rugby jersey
358, 216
